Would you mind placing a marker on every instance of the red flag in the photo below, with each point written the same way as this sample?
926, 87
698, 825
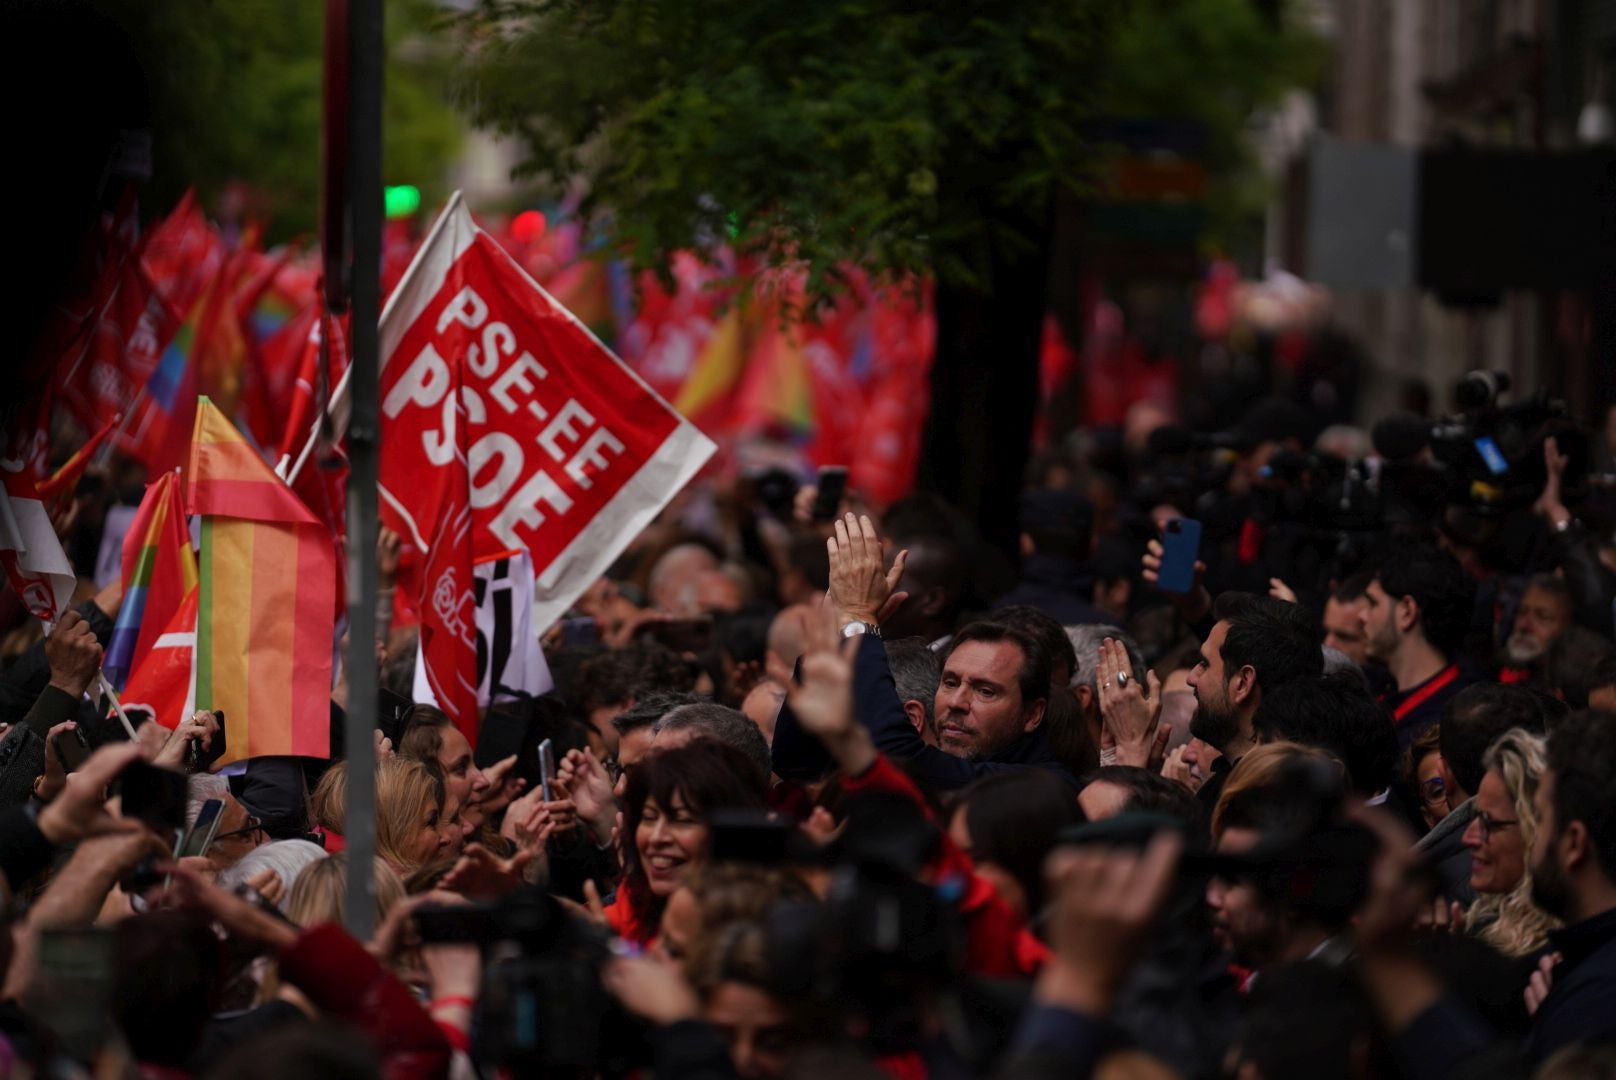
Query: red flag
183, 254
162, 684
65, 477
507, 425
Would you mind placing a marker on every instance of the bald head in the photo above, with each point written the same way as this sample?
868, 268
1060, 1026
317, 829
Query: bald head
676, 579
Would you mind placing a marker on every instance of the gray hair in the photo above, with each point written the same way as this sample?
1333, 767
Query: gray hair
199, 788
288, 858
916, 670
1086, 640
724, 724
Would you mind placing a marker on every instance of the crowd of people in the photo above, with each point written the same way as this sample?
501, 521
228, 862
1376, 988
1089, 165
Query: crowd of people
867, 797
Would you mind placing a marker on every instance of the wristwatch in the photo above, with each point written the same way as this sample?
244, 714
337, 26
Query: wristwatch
854, 629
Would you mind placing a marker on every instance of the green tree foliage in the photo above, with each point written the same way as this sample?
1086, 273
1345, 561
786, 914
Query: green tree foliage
1216, 62
893, 135
897, 136
236, 94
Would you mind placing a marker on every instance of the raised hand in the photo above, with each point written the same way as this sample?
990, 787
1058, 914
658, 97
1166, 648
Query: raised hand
1550, 504
1281, 591
1129, 713
1192, 606
861, 588
1541, 982
202, 725
1106, 901
50, 785
823, 700
586, 780
388, 545
482, 875
652, 988
73, 653
80, 809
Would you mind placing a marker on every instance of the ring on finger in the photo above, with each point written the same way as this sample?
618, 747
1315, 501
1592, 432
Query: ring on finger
1122, 678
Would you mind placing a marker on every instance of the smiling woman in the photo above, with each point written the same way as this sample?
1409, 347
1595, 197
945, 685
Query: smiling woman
669, 799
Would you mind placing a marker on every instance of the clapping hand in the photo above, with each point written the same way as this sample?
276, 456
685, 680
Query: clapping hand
1130, 714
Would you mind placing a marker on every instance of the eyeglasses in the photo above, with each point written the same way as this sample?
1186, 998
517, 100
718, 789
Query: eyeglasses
1488, 824
254, 825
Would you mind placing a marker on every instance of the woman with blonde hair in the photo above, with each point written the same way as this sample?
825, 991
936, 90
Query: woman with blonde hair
1499, 837
1262, 767
409, 804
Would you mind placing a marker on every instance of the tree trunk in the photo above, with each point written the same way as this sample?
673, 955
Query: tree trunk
984, 391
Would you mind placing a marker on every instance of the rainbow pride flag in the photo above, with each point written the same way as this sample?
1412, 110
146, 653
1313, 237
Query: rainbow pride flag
159, 570
264, 617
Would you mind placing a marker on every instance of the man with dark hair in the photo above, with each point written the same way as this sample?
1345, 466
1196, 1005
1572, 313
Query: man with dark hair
1419, 608
1051, 637
933, 576
1573, 865
1344, 618
1471, 721
1261, 915
1335, 713
710, 720
1055, 539
1257, 644
916, 671
636, 727
992, 693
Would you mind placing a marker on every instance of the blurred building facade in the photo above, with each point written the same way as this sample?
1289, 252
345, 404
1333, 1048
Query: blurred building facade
1525, 75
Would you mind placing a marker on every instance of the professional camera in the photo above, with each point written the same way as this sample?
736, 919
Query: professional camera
542, 1010
1491, 454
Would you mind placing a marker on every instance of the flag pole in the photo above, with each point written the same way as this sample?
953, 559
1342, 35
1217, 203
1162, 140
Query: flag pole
117, 706
362, 149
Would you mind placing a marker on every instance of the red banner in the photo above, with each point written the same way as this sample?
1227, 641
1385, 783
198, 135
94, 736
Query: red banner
508, 425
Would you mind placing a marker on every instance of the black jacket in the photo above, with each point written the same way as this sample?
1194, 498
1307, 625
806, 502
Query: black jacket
1060, 588
1581, 1005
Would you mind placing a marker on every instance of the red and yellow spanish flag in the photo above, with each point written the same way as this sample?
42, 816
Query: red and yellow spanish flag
264, 617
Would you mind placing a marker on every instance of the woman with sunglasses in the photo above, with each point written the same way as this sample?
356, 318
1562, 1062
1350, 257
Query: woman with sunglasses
1500, 840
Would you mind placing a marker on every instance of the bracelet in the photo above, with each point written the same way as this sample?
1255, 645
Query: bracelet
453, 1000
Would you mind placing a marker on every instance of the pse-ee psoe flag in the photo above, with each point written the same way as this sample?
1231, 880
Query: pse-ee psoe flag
158, 571
29, 550
507, 425
264, 620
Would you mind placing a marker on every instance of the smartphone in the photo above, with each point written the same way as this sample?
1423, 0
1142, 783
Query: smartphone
832, 485
681, 635
203, 759
390, 710
71, 748
153, 795
547, 768
1181, 546
200, 836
